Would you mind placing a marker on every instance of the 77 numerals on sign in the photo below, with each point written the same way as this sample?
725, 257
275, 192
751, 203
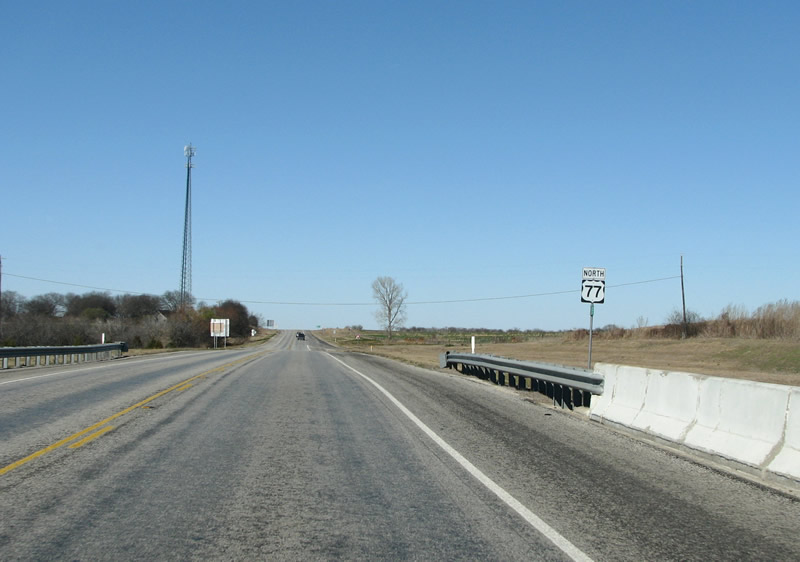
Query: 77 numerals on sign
593, 291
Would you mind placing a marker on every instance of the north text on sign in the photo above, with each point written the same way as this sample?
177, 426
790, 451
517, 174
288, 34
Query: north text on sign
596, 273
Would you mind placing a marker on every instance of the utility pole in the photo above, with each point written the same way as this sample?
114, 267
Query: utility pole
683, 299
1, 300
186, 265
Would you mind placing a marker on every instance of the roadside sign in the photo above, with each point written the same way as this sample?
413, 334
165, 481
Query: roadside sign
593, 286
220, 328
593, 290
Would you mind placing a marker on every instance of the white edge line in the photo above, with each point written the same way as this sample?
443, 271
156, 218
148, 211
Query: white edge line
36, 377
531, 518
61, 372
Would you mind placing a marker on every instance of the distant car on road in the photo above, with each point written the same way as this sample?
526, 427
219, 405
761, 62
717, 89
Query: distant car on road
300, 336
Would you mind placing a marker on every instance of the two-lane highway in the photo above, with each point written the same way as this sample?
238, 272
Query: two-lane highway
297, 450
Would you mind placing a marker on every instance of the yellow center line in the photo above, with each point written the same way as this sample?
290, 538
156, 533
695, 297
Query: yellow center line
91, 428
91, 437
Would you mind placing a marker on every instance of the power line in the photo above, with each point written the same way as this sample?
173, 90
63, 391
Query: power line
75, 284
411, 303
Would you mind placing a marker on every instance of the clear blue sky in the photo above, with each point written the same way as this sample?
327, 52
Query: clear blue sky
470, 150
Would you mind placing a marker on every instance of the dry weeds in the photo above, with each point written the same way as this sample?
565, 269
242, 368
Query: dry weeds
770, 361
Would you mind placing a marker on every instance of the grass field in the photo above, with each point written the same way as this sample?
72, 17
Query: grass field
764, 360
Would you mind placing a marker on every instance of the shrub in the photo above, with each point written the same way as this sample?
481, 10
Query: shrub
778, 320
771, 321
155, 344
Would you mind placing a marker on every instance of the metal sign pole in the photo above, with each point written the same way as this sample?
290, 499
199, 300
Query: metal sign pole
591, 327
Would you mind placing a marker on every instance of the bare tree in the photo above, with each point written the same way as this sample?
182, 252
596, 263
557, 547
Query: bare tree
95, 305
237, 313
391, 299
171, 300
137, 307
11, 304
51, 304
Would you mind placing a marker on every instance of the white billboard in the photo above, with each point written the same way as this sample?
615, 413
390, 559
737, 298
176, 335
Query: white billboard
220, 328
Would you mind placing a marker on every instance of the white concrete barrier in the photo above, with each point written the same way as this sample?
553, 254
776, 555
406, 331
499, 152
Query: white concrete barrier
739, 420
670, 404
624, 391
754, 425
601, 403
787, 461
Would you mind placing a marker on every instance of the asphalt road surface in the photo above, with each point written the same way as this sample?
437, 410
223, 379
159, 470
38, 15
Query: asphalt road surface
298, 451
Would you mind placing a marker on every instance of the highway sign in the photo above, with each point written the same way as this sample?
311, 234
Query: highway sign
593, 287
593, 291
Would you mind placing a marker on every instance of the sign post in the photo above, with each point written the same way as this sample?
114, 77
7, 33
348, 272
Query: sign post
593, 291
591, 329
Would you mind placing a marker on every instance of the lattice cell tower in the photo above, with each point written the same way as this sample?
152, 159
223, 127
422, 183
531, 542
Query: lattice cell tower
186, 265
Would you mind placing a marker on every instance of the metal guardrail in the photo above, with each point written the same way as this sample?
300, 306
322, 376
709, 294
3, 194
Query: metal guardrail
567, 386
61, 355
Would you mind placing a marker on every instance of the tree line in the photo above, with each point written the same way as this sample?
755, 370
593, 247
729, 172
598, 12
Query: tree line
143, 321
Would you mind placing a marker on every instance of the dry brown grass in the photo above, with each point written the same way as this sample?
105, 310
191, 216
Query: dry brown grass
772, 361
